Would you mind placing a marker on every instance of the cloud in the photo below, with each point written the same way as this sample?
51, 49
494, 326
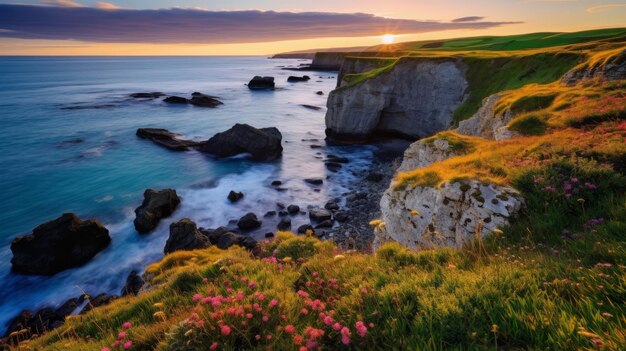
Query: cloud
107, 6
601, 8
177, 25
468, 19
62, 3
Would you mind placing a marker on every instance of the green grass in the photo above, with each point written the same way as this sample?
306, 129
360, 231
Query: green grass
531, 124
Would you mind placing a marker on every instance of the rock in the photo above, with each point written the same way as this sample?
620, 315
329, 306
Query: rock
263, 144
202, 100
325, 224
314, 181
269, 214
303, 229
320, 214
100, 300
613, 68
165, 138
59, 244
40, 322
276, 183
295, 79
333, 166
157, 204
337, 159
248, 222
311, 107
284, 224
175, 100
283, 213
293, 209
184, 235
424, 153
341, 216
331, 206
134, 282
280, 205
223, 238
70, 306
425, 217
269, 235
487, 123
235, 196
320, 93
374, 177
260, 83
151, 95
417, 98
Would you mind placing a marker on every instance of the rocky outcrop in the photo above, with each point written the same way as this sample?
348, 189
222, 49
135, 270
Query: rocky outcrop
248, 222
613, 69
425, 152
416, 98
134, 283
59, 244
184, 235
203, 100
450, 215
263, 144
155, 206
328, 61
223, 238
486, 123
261, 83
165, 138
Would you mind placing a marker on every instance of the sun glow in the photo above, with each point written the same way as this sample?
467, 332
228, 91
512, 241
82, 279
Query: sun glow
387, 38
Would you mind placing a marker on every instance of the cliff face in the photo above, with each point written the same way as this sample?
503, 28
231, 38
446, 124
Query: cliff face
416, 98
485, 123
452, 214
613, 68
328, 60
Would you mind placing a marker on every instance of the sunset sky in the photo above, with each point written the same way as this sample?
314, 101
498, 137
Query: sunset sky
260, 27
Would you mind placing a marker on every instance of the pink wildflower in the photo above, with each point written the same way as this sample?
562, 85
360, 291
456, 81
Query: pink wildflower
265, 318
289, 329
328, 320
213, 346
121, 335
361, 329
337, 327
127, 345
303, 293
273, 303
196, 297
126, 325
105, 349
225, 330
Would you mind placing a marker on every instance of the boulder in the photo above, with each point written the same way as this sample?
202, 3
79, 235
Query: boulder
151, 95
325, 224
260, 83
269, 214
284, 224
304, 228
59, 244
31, 323
175, 100
100, 300
202, 100
277, 183
320, 93
223, 238
314, 181
156, 205
320, 214
331, 205
333, 166
341, 216
134, 283
249, 222
234, 196
263, 144
293, 209
374, 177
295, 79
165, 138
184, 235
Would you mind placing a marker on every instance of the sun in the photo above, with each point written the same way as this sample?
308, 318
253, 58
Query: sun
387, 39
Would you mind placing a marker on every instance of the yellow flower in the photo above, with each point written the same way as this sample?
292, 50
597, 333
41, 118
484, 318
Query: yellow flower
287, 259
415, 212
494, 328
339, 257
497, 232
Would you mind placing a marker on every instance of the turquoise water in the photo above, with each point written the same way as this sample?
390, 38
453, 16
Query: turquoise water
69, 144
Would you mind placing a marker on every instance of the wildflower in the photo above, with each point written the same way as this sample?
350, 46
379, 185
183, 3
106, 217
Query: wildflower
304, 311
265, 318
415, 213
252, 285
361, 329
337, 327
494, 328
597, 343
127, 345
157, 305
303, 293
328, 320
105, 349
121, 335
273, 303
196, 297
126, 325
213, 346
249, 315
303, 348
339, 257
225, 330
257, 337
363, 290
298, 339
290, 329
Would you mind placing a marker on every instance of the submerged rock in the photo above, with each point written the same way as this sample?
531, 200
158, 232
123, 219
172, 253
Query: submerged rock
175, 100
263, 144
156, 205
59, 244
260, 83
235, 196
150, 95
184, 235
295, 79
314, 181
203, 100
311, 107
165, 138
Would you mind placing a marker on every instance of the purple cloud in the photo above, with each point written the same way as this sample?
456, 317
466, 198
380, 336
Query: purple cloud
468, 19
202, 27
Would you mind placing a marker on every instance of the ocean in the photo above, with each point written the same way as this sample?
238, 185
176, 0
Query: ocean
69, 145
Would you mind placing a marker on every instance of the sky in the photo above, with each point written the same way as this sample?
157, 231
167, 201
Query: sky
263, 27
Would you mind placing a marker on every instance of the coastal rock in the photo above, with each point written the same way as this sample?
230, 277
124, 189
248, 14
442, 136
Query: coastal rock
304, 228
155, 206
320, 214
249, 222
29, 324
331, 205
165, 138
284, 224
612, 69
100, 300
234, 196
314, 181
374, 177
261, 83
325, 224
263, 144
320, 93
415, 99
134, 283
202, 100
293, 209
485, 123
59, 244
269, 214
426, 152
333, 166
184, 235
223, 238
175, 100
311, 107
150, 95
425, 217
294, 79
